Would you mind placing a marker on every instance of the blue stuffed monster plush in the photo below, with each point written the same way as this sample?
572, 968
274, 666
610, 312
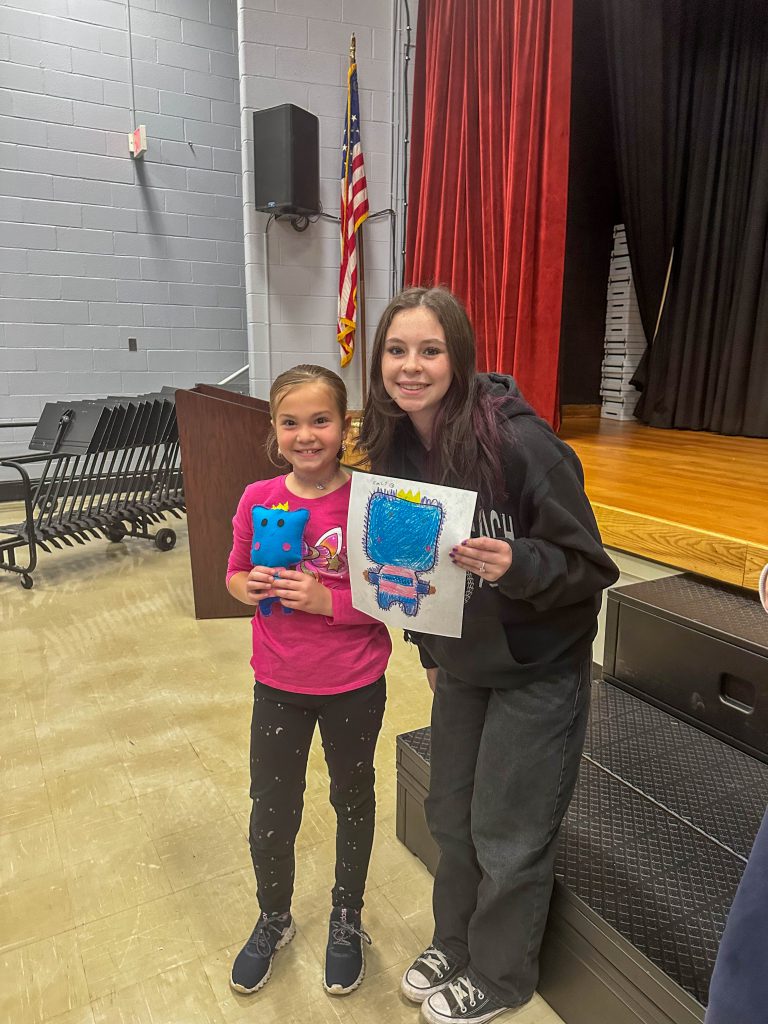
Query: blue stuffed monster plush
277, 541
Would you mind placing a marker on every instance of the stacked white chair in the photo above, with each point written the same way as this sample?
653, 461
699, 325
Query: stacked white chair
624, 336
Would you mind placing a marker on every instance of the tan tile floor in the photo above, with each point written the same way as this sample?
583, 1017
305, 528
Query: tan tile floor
125, 880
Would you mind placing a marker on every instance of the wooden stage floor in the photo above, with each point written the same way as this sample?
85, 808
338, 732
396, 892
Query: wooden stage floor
689, 499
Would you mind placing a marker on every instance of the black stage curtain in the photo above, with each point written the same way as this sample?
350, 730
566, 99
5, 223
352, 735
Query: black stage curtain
689, 90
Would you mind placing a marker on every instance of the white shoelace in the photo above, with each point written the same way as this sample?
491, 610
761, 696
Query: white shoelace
436, 960
343, 930
462, 989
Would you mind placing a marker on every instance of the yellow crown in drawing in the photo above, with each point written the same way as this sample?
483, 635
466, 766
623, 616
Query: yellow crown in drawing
283, 507
410, 496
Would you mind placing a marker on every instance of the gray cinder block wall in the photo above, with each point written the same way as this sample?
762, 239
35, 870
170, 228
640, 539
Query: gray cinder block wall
94, 247
297, 51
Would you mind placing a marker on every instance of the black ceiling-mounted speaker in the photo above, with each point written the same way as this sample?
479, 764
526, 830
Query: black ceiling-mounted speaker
286, 161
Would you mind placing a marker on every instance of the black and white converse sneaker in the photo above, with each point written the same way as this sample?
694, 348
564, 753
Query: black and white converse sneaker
344, 956
253, 964
429, 972
462, 1000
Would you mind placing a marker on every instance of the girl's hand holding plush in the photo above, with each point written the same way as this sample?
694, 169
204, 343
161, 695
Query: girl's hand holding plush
300, 592
258, 584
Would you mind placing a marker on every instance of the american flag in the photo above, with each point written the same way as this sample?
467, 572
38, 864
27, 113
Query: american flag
354, 210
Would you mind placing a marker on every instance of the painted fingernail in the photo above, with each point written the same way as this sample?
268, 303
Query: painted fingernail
452, 556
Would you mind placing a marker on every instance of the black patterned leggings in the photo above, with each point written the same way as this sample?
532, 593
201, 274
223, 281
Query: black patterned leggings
281, 733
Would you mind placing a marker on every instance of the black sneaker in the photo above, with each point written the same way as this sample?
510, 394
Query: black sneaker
429, 972
463, 1000
344, 957
253, 964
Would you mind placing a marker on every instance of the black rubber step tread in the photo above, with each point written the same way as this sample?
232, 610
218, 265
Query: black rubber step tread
735, 615
658, 831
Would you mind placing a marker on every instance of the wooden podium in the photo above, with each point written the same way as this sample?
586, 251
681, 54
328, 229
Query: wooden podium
221, 435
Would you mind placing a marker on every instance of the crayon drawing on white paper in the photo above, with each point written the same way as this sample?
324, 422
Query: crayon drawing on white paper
399, 537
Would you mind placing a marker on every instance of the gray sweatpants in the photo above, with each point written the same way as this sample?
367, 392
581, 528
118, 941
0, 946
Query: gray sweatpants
503, 769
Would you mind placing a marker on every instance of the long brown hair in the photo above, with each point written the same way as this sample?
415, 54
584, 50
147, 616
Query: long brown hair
466, 441
296, 377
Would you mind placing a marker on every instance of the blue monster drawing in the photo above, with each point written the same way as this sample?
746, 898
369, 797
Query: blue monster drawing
402, 531
277, 541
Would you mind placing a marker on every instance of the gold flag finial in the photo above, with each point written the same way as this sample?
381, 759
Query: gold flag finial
352, 49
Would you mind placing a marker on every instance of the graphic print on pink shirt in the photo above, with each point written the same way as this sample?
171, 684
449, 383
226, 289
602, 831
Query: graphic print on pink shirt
326, 555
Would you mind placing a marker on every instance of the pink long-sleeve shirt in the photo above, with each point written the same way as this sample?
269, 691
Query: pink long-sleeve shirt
301, 652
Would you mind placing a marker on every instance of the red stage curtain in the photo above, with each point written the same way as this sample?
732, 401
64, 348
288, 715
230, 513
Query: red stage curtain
488, 184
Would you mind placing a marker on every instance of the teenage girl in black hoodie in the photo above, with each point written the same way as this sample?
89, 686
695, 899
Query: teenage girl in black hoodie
512, 693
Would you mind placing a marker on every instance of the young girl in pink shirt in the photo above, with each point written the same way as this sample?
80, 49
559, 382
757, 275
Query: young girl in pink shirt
316, 660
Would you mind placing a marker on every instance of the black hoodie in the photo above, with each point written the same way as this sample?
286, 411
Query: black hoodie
542, 615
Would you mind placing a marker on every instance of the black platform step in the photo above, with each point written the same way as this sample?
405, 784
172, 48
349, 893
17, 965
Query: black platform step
696, 648
658, 833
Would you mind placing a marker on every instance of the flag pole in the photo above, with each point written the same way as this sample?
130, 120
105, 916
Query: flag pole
360, 326
361, 309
